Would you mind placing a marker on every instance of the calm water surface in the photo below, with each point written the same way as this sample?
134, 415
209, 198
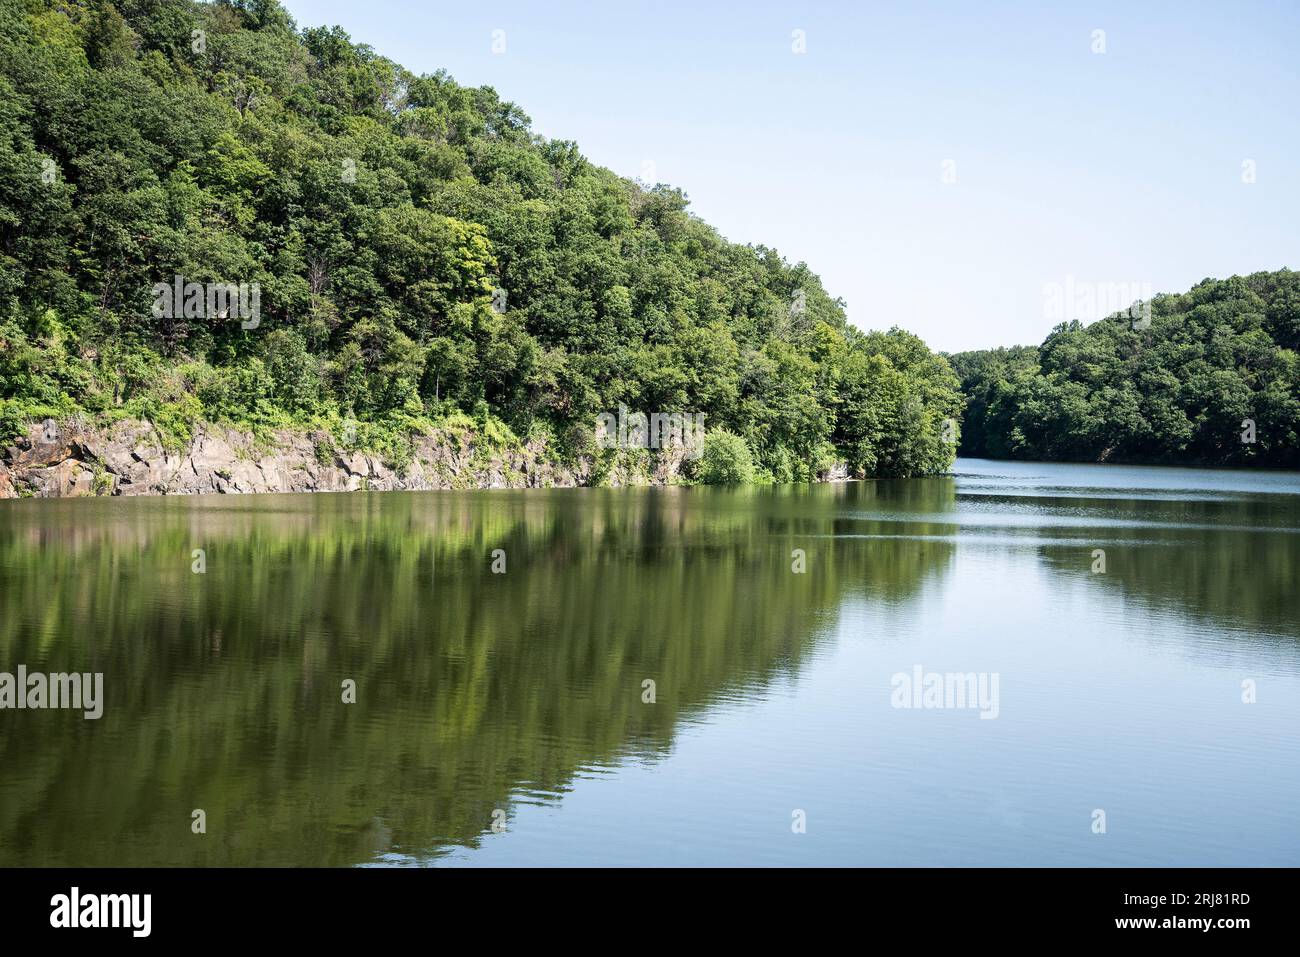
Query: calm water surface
521, 693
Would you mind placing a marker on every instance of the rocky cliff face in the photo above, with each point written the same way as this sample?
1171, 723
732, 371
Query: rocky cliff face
129, 459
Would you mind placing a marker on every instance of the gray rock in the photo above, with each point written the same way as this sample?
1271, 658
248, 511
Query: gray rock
128, 458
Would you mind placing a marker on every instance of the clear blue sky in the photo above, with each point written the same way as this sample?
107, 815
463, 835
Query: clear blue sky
1120, 167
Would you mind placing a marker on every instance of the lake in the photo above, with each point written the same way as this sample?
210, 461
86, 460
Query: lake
1016, 664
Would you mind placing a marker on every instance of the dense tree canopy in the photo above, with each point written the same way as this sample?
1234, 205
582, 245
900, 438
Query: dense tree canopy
419, 252
1212, 379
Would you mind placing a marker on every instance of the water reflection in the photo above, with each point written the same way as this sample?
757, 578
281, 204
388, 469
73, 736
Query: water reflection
224, 688
479, 691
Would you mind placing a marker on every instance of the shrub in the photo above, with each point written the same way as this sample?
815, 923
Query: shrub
726, 460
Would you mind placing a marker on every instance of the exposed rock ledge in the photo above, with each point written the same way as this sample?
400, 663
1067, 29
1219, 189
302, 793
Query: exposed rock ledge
129, 459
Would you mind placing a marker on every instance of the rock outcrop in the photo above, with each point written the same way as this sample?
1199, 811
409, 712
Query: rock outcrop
128, 458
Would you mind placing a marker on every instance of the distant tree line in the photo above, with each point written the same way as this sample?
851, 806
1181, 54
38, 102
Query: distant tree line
1208, 377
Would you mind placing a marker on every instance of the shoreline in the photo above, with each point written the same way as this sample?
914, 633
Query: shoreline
129, 459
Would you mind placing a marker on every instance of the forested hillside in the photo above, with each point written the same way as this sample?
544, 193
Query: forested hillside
1212, 379
419, 256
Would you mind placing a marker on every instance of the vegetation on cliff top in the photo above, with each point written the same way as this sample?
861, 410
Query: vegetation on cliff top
419, 254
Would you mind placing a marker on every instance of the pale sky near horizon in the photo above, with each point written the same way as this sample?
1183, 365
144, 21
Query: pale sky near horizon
1125, 167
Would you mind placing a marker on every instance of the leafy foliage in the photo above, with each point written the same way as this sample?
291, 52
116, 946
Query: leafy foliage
1178, 391
726, 460
419, 253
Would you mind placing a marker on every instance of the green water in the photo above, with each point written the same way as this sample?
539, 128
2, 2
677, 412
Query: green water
519, 697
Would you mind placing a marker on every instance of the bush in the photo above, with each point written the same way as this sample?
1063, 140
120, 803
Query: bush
780, 465
726, 460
